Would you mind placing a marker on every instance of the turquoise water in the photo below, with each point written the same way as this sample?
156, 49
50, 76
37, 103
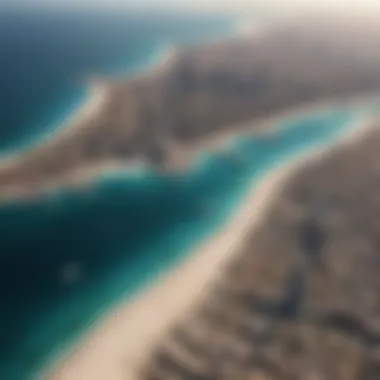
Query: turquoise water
46, 56
126, 229
123, 233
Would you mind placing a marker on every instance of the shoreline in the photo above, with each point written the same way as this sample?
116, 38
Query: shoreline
103, 344
84, 177
143, 320
133, 318
195, 100
97, 88
91, 106
98, 95
267, 126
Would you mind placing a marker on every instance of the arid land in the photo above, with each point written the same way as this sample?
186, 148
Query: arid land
202, 93
288, 291
299, 296
291, 289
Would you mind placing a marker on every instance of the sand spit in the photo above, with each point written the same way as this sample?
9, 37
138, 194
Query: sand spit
199, 94
117, 347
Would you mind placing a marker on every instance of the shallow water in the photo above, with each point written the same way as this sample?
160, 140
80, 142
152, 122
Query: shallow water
119, 235
46, 57
66, 258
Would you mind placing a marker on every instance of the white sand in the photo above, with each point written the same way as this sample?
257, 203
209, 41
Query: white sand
114, 348
76, 120
98, 96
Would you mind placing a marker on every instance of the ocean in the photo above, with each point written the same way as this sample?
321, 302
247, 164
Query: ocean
68, 258
47, 56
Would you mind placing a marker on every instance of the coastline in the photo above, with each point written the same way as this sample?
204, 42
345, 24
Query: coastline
98, 86
99, 95
82, 178
195, 100
171, 296
81, 175
92, 105
89, 83
118, 342
268, 126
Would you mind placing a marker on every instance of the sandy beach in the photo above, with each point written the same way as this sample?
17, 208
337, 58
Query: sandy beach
83, 177
268, 126
118, 342
98, 95
114, 347
196, 99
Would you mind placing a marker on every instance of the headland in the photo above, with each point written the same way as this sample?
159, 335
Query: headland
201, 94
290, 289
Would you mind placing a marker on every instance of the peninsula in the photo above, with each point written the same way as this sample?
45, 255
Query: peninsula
162, 118
290, 289
299, 296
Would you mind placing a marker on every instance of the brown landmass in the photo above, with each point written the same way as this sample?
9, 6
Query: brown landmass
161, 118
291, 292
299, 299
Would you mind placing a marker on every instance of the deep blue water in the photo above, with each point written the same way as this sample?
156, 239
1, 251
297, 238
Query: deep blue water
45, 56
126, 229
123, 233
